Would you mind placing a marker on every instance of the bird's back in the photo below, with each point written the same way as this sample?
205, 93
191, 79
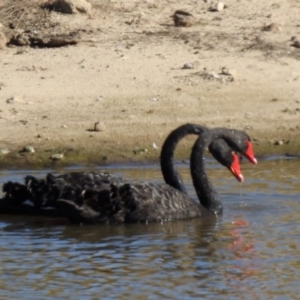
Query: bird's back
154, 202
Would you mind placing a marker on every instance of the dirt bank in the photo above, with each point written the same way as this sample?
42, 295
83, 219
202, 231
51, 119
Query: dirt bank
126, 72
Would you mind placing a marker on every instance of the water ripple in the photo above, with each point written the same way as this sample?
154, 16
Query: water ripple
252, 252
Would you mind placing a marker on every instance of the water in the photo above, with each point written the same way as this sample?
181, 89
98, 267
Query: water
251, 252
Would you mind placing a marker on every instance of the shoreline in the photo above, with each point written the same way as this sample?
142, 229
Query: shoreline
106, 157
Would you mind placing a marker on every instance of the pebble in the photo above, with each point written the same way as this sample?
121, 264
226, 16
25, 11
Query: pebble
296, 44
140, 151
73, 7
183, 19
57, 156
99, 126
4, 151
154, 146
29, 149
213, 74
278, 143
13, 99
219, 6
154, 99
10, 100
188, 66
273, 27
226, 71
229, 72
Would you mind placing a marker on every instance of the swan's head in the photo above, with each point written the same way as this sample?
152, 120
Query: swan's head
240, 142
221, 151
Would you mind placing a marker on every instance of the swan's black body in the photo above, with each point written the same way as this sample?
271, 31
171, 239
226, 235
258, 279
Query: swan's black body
68, 186
149, 202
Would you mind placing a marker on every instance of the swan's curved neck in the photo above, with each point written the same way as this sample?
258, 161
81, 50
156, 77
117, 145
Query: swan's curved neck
170, 174
206, 193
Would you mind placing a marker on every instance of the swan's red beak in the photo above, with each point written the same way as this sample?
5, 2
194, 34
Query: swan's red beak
235, 168
249, 153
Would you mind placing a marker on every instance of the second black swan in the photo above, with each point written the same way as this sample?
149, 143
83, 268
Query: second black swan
153, 202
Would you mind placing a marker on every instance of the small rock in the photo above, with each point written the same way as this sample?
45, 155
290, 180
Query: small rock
219, 6
188, 66
278, 143
73, 6
183, 19
296, 44
129, 22
154, 99
140, 151
273, 27
28, 149
224, 71
14, 99
154, 146
57, 156
20, 39
4, 151
99, 126
64, 126
229, 72
10, 100
210, 75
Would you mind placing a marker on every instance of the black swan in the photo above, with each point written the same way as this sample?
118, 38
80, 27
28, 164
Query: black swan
45, 192
153, 202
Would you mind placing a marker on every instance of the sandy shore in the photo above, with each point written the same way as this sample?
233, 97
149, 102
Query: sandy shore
126, 72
